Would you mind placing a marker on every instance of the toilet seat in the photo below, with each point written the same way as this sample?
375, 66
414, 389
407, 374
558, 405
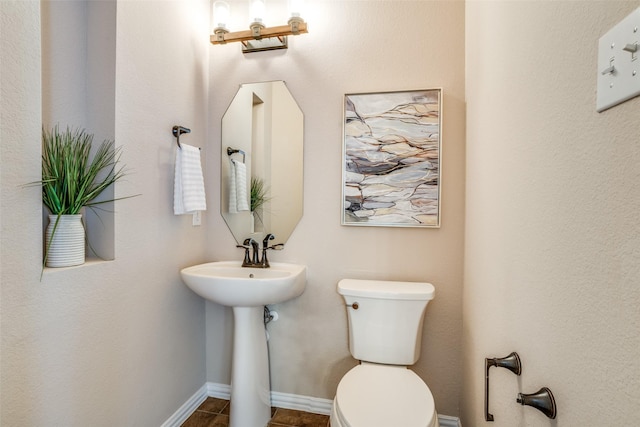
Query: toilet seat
371, 395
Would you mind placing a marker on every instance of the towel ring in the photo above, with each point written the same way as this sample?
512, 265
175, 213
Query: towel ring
231, 151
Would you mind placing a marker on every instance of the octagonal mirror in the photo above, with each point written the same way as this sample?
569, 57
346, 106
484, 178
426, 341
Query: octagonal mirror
262, 162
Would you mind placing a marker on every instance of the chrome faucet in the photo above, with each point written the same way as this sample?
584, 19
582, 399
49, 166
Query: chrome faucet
256, 252
254, 260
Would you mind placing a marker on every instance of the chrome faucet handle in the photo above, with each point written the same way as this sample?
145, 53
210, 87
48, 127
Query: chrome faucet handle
247, 259
278, 246
247, 245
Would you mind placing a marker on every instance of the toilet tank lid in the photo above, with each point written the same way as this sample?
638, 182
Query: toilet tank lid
386, 289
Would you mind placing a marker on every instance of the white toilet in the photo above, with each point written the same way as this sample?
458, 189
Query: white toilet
385, 333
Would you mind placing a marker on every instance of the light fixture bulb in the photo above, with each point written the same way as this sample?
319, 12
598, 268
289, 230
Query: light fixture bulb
257, 11
295, 13
296, 8
221, 14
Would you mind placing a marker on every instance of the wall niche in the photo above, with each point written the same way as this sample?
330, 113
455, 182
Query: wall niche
78, 89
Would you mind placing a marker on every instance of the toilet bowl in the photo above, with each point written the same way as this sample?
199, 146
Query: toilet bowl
372, 395
385, 331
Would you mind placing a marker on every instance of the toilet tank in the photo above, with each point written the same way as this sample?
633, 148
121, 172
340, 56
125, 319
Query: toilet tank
387, 325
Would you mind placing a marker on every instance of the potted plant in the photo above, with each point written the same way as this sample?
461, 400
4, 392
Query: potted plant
72, 178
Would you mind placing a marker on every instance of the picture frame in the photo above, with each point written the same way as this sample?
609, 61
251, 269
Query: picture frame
391, 158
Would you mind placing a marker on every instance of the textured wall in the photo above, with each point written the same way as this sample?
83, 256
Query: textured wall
116, 343
352, 46
20, 118
552, 236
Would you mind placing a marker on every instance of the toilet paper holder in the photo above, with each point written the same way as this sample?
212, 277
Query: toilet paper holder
511, 362
542, 400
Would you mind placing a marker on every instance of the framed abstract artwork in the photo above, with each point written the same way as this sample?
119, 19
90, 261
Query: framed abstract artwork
391, 159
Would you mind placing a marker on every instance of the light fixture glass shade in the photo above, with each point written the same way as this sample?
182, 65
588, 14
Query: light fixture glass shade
257, 11
296, 8
221, 14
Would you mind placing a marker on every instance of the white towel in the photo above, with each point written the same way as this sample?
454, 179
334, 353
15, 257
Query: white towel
233, 193
238, 187
241, 186
188, 185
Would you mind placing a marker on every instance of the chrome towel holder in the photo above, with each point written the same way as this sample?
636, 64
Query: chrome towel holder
231, 151
179, 130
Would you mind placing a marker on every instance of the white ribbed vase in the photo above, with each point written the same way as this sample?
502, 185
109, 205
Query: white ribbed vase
67, 247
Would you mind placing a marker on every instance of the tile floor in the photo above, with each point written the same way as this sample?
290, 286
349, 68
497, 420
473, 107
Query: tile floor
215, 413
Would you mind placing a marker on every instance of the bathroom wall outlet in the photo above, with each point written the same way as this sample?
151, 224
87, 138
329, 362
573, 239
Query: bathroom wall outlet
197, 218
618, 63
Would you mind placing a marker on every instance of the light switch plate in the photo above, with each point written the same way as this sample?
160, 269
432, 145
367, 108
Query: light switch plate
619, 63
197, 218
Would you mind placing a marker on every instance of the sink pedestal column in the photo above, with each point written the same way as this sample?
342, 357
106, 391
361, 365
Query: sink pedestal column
250, 388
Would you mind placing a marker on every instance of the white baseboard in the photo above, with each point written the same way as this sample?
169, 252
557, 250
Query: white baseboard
279, 400
314, 405
448, 421
221, 391
187, 409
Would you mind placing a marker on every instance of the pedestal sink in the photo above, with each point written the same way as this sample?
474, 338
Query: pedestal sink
247, 291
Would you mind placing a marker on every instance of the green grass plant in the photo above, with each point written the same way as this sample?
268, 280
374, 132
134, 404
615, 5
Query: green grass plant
70, 179
258, 197
258, 193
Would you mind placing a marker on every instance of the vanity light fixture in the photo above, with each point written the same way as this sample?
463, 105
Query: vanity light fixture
258, 37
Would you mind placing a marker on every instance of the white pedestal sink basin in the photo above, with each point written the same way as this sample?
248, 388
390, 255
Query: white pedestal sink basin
247, 291
227, 283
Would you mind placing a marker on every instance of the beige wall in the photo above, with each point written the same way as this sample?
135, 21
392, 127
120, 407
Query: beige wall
117, 343
552, 236
551, 240
352, 46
